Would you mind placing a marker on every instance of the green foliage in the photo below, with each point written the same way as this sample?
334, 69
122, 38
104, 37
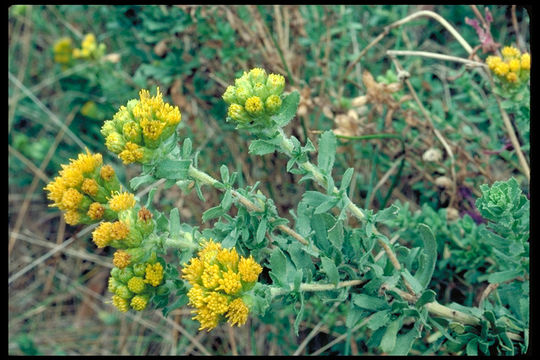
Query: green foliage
383, 269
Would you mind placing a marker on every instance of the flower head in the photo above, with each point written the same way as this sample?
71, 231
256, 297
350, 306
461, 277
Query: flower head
79, 192
512, 69
254, 98
154, 274
138, 129
219, 279
122, 201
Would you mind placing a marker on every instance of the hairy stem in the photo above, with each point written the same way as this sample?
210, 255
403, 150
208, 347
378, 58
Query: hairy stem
274, 291
209, 180
288, 146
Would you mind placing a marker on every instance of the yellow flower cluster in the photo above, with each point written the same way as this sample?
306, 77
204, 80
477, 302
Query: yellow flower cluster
219, 278
134, 284
90, 49
82, 189
63, 50
140, 127
513, 68
254, 97
118, 234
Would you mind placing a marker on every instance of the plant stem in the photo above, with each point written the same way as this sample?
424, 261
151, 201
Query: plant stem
288, 146
209, 180
274, 291
182, 240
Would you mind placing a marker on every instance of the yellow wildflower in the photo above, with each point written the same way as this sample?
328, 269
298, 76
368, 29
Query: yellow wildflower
512, 77
154, 274
95, 211
136, 284
72, 217
510, 52
254, 105
152, 129
501, 69
196, 296
121, 259
238, 312
102, 234
216, 302
526, 61
193, 271
62, 50
228, 258
119, 230
139, 302
88, 162
514, 65
90, 187
210, 276
493, 61
219, 279
120, 303
230, 283
122, 201
209, 251
248, 269
71, 199
71, 175
56, 190
131, 153
207, 318
107, 173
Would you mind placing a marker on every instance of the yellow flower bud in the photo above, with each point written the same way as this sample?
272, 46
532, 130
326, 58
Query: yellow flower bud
115, 142
121, 259
229, 94
90, 187
501, 69
72, 217
512, 77
96, 211
139, 303
131, 153
71, 199
510, 52
154, 274
120, 303
107, 173
136, 284
526, 61
254, 105
514, 65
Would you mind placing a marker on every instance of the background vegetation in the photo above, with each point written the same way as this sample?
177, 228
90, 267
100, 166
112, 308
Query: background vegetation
57, 278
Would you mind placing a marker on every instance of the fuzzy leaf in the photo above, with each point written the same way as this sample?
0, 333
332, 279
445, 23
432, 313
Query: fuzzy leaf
369, 302
429, 258
278, 266
174, 222
388, 341
262, 147
172, 169
212, 213
330, 269
140, 180
327, 151
288, 109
